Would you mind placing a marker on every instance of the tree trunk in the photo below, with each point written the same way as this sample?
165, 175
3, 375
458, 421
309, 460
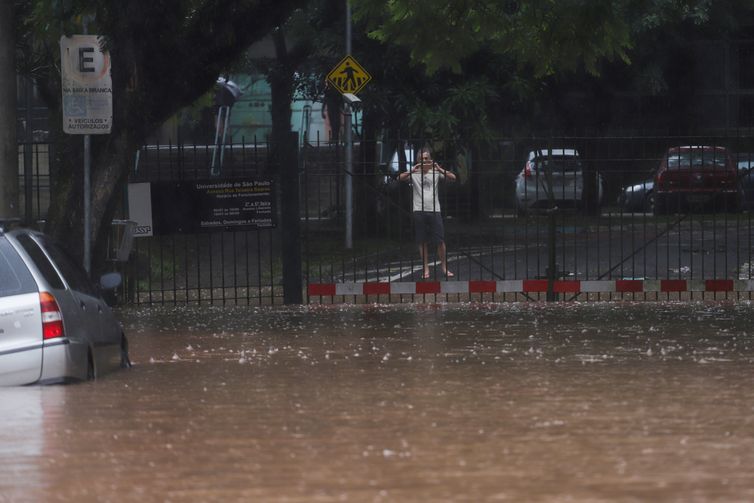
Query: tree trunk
367, 200
110, 168
475, 180
280, 78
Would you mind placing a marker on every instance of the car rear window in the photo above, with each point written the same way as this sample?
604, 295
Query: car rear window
15, 278
558, 164
41, 261
73, 273
697, 159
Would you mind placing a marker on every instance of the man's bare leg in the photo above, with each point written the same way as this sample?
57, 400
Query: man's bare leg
442, 252
423, 251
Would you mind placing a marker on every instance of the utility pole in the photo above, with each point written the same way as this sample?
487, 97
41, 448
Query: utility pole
87, 190
8, 142
348, 138
85, 73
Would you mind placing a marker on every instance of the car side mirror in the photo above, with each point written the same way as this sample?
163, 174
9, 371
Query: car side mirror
110, 281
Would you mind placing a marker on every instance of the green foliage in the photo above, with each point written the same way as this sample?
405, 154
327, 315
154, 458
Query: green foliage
533, 54
548, 36
459, 117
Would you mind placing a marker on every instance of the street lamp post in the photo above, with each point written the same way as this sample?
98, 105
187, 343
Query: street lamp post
348, 185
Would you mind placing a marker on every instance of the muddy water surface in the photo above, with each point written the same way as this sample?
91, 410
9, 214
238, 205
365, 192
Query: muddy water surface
598, 402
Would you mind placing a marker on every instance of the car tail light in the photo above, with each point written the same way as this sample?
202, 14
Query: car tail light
52, 318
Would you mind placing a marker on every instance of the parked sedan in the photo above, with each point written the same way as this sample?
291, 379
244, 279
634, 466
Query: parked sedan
552, 176
54, 324
694, 177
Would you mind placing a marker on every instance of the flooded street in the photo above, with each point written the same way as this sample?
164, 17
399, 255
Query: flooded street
456, 402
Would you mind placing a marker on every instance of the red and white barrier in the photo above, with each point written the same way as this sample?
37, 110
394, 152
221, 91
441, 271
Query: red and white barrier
531, 286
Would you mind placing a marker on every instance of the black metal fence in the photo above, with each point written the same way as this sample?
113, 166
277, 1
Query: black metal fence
607, 225
602, 224
34, 161
226, 265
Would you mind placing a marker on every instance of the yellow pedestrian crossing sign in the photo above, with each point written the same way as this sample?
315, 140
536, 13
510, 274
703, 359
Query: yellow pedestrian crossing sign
348, 76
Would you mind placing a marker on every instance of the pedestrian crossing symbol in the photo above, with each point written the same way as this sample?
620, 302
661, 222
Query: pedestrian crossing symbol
348, 76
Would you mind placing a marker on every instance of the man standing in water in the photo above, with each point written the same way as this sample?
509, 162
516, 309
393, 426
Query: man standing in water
428, 224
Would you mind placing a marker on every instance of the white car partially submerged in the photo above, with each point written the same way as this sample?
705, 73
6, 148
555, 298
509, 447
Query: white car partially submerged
54, 324
552, 176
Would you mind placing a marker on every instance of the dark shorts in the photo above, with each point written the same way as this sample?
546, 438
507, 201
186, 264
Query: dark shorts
428, 227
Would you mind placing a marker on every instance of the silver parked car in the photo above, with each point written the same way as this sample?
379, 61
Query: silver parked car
564, 168
54, 324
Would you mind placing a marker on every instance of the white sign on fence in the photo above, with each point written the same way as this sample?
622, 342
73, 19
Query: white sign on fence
140, 208
87, 85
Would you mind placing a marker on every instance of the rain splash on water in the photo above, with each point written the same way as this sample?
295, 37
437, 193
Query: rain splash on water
447, 402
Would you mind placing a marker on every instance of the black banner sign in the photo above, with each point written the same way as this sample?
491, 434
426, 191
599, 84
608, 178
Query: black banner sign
204, 205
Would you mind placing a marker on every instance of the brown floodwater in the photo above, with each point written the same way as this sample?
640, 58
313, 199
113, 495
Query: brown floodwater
456, 402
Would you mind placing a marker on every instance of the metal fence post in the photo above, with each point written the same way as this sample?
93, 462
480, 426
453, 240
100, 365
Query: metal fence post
552, 266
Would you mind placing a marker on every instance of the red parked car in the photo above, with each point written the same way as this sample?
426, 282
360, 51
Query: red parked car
697, 177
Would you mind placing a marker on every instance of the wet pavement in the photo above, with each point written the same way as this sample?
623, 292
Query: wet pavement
453, 402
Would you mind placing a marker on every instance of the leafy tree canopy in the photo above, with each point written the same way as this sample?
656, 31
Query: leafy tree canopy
549, 36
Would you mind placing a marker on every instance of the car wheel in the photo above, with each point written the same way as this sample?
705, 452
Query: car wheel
125, 360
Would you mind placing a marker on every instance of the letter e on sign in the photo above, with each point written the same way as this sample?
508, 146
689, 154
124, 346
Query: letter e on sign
86, 60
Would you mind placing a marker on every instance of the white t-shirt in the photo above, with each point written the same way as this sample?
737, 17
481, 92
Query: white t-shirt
425, 189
